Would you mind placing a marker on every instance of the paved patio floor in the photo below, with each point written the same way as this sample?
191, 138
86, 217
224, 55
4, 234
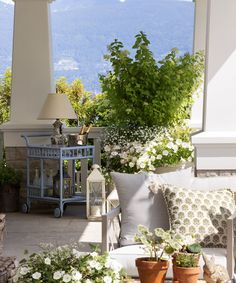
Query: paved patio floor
27, 231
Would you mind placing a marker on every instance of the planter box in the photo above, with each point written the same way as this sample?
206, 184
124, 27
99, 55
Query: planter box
9, 198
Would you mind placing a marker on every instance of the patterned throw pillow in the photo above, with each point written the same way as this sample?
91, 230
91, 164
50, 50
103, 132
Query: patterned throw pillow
200, 213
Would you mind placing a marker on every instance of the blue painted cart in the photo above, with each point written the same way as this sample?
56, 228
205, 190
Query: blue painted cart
54, 152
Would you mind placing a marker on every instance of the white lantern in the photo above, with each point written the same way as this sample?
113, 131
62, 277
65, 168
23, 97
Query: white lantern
96, 195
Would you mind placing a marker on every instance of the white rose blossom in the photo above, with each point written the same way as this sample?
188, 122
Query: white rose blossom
47, 261
131, 164
114, 153
185, 145
165, 152
24, 270
170, 145
66, 278
107, 279
76, 275
107, 148
189, 159
92, 263
178, 142
76, 253
98, 266
57, 275
93, 254
36, 275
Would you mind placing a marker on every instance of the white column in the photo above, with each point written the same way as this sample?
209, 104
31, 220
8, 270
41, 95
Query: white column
216, 145
32, 72
199, 44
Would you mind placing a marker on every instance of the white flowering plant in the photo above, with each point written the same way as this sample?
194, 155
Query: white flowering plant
145, 149
67, 264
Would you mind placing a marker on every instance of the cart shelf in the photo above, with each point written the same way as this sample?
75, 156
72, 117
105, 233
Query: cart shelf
43, 152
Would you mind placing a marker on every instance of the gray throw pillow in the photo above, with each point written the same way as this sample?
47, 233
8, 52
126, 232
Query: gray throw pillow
138, 205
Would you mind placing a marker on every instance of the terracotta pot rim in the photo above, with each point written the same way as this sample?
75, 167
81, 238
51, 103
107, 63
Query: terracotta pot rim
146, 260
181, 267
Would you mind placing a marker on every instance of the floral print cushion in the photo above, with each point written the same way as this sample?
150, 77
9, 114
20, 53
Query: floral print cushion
200, 213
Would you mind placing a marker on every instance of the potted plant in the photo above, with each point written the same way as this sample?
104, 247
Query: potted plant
9, 188
68, 264
159, 244
186, 262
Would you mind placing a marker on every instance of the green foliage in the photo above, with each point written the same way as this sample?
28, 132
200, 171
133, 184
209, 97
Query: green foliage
79, 98
143, 92
5, 94
188, 255
9, 175
89, 109
194, 248
187, 260
159, 244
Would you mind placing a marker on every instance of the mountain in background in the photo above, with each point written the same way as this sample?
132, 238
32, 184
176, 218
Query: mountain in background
82, 29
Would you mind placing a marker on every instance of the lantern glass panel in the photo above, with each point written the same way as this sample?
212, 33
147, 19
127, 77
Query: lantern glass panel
95, 191
66, 186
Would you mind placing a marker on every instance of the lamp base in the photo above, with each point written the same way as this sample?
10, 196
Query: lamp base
59, 139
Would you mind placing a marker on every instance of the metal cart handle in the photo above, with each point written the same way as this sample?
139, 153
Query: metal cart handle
27, 137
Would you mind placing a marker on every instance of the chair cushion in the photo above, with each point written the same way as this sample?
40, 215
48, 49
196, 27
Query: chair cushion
126, 257
203, 214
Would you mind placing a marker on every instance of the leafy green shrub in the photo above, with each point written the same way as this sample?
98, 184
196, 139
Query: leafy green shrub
5, 94
159, 244
9, 175
89, 109
143, 92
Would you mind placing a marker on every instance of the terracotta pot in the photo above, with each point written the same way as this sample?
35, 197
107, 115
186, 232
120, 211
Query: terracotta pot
185, 274
151, 271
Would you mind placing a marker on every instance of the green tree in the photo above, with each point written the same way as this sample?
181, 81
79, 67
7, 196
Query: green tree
143, 92
80, 99
5, 94
90, 109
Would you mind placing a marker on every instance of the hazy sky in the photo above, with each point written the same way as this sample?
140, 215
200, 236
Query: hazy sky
11, 2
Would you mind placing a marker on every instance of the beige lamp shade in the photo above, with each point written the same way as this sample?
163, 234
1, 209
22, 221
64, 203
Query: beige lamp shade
57, 106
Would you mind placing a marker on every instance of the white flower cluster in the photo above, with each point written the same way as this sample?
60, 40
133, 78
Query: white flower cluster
166, 147
66, 264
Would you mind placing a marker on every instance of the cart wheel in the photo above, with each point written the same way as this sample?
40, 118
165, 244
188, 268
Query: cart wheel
25, 208
57, 212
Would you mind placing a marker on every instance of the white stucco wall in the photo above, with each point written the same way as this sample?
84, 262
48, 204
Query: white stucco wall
216, 145
199, 44
32, 60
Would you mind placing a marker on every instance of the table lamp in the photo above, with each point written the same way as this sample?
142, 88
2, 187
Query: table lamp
57, 106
